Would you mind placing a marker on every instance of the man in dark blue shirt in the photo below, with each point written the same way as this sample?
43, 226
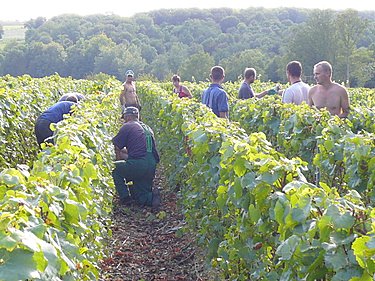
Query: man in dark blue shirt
54, 114
136, 159
215, 96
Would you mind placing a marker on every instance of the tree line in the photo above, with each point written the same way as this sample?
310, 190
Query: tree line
190, 41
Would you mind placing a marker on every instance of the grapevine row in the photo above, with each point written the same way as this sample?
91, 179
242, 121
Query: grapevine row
250, 204
54, 217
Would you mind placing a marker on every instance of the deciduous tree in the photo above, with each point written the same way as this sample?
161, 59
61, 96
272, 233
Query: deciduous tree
14, 58
350, 28
1, 31
45, 59
197, 67
236, 64
314, 40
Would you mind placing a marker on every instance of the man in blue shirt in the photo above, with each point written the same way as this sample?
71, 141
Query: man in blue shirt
215, 96
54, 114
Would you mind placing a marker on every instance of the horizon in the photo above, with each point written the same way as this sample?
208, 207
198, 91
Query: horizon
46, 9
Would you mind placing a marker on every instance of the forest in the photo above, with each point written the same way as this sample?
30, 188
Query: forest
189, 42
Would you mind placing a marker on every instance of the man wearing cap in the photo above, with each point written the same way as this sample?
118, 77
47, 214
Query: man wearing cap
128, 96
136, 159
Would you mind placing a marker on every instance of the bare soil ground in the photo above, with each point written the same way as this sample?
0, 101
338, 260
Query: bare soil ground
148, 246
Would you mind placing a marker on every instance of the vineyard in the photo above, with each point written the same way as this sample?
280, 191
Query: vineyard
281, 192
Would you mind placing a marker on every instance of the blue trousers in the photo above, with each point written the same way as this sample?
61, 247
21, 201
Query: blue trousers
42, 130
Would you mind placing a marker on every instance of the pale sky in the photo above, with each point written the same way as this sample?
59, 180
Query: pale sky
24, 10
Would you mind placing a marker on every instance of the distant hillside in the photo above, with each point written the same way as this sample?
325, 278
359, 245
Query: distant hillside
14, 31
190, 41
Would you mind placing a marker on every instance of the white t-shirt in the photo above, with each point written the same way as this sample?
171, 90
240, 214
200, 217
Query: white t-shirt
296, 93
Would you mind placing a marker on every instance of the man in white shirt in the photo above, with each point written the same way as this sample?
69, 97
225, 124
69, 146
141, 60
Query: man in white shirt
298, 91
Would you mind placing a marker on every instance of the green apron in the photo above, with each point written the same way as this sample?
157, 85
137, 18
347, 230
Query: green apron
141, 172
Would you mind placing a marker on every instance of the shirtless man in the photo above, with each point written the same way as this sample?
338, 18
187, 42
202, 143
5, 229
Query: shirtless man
128, 96
328, 94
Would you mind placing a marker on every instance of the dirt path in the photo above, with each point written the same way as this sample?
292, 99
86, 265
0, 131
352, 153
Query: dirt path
146, 246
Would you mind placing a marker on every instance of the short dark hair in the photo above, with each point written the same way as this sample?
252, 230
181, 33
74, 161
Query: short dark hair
217, 73
72, 98
176, 78
294, 68
249, 72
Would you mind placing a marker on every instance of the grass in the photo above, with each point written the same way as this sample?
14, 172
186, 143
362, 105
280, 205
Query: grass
14, 32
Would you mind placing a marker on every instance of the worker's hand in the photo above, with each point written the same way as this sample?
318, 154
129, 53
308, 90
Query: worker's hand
271, 92
274, 90
123, 154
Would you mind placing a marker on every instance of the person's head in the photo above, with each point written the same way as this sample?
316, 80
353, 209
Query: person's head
217, 74
176, 80
78, 95
323, 72
72, 98
129, 75
250, 75
294, 69
130, 113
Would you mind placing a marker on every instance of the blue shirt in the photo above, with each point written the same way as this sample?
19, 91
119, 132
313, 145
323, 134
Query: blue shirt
216, 98
56, 112
246, 91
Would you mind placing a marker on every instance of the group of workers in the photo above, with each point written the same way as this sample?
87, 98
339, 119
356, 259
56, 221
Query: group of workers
135, 150
136, 155
325, 94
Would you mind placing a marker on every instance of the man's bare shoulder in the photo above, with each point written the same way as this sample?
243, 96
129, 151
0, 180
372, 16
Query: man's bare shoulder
313, 89
339, 86
340, 89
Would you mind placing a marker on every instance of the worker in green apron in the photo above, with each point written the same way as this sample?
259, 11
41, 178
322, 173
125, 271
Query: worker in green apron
136, 159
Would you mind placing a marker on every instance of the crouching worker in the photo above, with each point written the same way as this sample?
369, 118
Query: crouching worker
54, 114
136, 157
